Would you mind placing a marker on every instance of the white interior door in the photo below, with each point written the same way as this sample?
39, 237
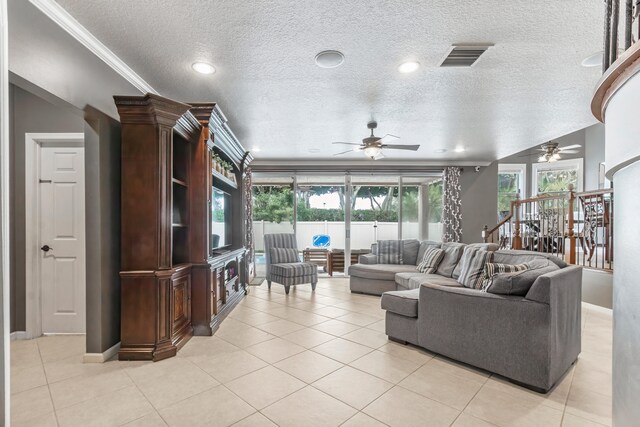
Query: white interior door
62, 239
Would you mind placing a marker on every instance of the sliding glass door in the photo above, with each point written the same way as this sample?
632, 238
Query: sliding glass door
345, 213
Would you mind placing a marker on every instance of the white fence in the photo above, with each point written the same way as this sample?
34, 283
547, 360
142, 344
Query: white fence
363, 234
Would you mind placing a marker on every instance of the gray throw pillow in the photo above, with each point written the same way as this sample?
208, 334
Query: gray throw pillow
520, 282
432, 257
473, 261
410, 249
424, 245
284, 255
390, 251
452, 254
491, 269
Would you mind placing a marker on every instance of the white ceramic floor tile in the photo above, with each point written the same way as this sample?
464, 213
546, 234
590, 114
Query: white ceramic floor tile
308, 337
308, 366
274, 350
265, 386
507, 409
403, 408
293, 410
217, 406
342, 350
353, 387
116, 408
385, 366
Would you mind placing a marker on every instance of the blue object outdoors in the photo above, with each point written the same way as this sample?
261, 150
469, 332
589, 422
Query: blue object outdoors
321, 241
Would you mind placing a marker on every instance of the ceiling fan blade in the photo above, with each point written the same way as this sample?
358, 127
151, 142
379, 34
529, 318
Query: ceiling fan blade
348, 151
347, 143
569, 152
570, 147
379, 156
401, 147
389, 136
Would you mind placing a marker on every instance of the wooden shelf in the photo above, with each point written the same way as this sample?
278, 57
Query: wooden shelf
218, 176
177, 181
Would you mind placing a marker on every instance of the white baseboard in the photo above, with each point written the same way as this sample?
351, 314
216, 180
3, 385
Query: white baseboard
19, 335
598, 308
101, 357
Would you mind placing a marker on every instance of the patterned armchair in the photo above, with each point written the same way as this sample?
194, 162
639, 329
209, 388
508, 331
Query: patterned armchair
283, 264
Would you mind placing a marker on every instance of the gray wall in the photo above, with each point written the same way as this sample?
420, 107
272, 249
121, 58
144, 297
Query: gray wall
594, 155
37, 113
479, 201
102, 157
28, 114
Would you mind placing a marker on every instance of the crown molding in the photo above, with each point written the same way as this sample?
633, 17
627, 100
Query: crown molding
60, 16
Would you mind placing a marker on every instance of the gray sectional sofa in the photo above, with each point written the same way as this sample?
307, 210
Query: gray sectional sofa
530, 335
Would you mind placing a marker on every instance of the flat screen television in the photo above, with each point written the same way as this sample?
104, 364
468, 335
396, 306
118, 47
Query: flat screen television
220, 219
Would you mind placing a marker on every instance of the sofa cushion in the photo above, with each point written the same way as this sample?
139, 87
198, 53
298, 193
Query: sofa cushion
430, 261
452, 254
519, 283
410, 249
389, 251
402, 279
518, 257
404, 303
284, 255
380, 271
424, 245
473, 262
484, 246
435, 279
491, 269
295, 269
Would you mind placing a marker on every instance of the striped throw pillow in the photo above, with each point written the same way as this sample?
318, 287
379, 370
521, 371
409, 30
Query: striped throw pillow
491, 269
430, 261
389, 251
284, 255
473, 261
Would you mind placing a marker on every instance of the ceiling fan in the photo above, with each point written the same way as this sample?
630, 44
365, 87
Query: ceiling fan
372, 146
551, 151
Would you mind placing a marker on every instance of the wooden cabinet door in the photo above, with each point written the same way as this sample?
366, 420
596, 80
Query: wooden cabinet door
181, 302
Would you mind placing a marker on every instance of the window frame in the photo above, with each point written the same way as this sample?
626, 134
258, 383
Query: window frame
557, 165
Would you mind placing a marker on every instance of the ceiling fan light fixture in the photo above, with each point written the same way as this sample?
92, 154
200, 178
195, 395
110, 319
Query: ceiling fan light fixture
542, 158
408, 67
372, 151
556, 156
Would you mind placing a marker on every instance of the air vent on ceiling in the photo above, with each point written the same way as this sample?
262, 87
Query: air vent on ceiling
463, 55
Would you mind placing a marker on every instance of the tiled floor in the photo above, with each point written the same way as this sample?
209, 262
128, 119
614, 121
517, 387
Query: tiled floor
307, 359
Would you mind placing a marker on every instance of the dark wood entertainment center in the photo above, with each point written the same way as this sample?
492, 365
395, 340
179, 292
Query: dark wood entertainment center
174, 282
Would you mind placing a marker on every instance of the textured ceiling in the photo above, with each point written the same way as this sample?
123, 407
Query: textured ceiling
525, 90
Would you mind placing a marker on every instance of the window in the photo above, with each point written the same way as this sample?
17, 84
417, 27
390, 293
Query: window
555, 177
511, 181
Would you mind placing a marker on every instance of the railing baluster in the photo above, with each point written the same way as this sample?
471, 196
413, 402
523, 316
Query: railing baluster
614, 31
606, 56
628, 25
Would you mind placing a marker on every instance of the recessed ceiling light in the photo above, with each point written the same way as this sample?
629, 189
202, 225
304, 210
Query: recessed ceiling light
459, 150
314, 150
255, 149
329, 59
594, 60
441, 150
408, 67
203, 68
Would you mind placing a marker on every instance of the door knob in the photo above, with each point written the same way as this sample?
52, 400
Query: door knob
46, 248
